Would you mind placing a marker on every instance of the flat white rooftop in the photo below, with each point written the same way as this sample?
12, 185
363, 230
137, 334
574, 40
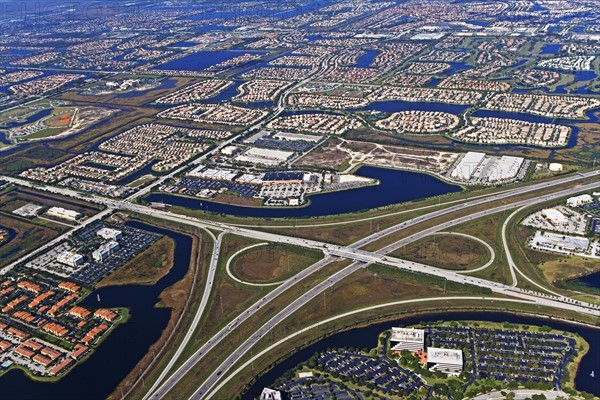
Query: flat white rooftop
444, 356
407, 335
467, 165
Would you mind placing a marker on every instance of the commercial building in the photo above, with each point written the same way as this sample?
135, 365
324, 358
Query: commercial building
448, 361
257, 155
506, 168
409, 339
69, 258
28, 210
555, 167
102, 252
467, 165
270, 394
559, 243
579, 200
555, 217
109, 234
213, 173
230, 150
63, 213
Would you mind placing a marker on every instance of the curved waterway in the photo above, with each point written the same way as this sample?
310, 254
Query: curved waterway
367, 337
394, 187
98, 376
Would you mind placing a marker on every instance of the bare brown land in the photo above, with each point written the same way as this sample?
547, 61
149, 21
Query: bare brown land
228, 198
273, 262
339, 154
114, 99
146, 268
327, 156
179, 299
445, 251
28, 237
14, 199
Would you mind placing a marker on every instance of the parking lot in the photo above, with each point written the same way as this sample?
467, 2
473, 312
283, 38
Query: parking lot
84, 242
507, 354
318, 389
290, 145
194, 186
133, 242
381, 371
576, 222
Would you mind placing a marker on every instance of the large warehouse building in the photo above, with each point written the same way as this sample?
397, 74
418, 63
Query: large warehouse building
467, 165
507, 167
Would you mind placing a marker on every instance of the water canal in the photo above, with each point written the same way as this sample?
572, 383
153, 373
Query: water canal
367, 337
97, 377
394, 187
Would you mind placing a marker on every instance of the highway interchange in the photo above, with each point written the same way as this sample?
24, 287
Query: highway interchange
361, 258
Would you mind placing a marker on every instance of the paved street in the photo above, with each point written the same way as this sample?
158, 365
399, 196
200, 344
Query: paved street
361, 258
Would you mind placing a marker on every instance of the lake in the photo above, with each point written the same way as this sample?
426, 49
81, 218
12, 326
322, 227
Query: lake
391, 106
394, 187
97, 377
367, 337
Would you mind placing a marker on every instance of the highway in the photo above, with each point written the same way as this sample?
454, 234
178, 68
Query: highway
352, 253
212, 269
307, 329
361, 258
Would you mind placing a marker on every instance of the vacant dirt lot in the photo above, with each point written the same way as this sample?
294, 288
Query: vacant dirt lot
444, 251
272, 262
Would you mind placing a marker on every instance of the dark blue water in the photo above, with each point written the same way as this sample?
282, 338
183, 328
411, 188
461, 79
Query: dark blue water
367, 337
3, 138
28, 120
226, 94
455, 67
201, 60
97, 377
392, 106
433, 82
20, 52
367, 59
10, 234
394, 187
185, 44
552, 48
139, 173
592, 281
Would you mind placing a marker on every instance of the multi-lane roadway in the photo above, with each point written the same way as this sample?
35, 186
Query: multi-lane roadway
353, 252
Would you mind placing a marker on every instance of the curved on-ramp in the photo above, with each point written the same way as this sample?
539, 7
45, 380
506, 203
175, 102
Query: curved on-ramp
301, 331
232, 276
483, 242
